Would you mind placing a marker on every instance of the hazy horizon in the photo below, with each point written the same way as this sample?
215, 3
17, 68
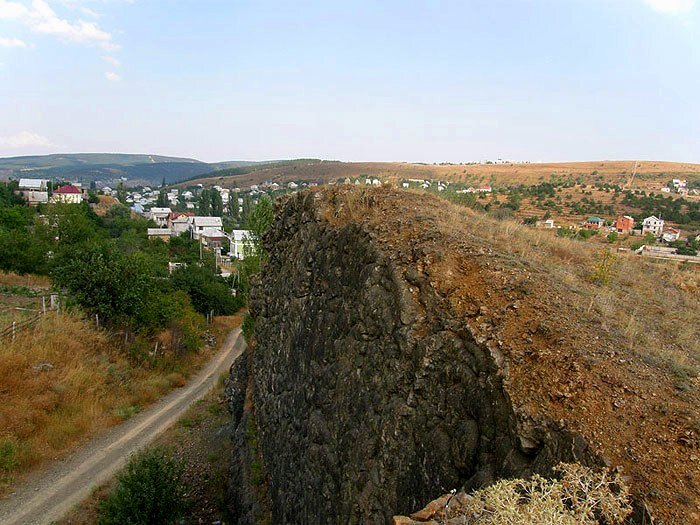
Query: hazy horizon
538, 80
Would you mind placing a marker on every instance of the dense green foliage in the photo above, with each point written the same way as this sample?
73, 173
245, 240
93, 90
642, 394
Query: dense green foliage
208, 292
681, 211
150, 490
108, 267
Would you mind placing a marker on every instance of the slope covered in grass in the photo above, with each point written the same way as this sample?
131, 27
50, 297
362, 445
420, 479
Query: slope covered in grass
601, 344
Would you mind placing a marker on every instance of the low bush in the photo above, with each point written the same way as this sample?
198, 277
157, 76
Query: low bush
150, 490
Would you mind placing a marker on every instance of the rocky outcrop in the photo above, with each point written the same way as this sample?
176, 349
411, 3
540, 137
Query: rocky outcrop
369, 395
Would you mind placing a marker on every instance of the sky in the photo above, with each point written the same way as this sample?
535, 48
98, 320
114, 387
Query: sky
360, 80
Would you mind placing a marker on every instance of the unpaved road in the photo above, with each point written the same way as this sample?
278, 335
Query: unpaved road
48, 495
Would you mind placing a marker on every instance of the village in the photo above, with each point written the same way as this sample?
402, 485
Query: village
216, 215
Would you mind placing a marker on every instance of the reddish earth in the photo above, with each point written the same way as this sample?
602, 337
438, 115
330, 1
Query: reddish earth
570, 346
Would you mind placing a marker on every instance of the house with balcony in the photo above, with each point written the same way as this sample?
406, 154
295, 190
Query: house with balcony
653, 225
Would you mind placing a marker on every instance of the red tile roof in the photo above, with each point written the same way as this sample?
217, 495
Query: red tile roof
67, 189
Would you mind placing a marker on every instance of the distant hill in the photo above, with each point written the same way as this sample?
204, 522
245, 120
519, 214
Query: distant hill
88, 159
643, 175
86, 167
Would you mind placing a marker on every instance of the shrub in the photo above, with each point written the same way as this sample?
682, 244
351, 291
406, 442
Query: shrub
150, 490
8, 454
604, 267
248, 327
581, 496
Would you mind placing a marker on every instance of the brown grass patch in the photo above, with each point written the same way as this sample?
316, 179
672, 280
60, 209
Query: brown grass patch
89, 386
30, 281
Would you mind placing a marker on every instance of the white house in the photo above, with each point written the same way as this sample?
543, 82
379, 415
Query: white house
34, 191
671, 234
292, 185
199, 224
67, 194
240, 243
160, 216
652, 225
679, 183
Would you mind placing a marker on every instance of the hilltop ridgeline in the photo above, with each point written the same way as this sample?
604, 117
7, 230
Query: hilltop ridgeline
394, 360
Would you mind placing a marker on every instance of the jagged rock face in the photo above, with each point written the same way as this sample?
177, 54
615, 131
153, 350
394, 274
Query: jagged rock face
370, 398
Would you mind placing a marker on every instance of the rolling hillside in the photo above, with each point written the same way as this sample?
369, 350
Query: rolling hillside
85, 167
648, 174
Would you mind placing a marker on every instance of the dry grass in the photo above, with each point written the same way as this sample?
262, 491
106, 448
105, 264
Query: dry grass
90, 386
616, 360
581, 497
30, 281
649, 174
654, 303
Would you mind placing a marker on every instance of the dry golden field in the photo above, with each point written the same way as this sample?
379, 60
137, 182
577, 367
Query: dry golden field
648, 174
66, 381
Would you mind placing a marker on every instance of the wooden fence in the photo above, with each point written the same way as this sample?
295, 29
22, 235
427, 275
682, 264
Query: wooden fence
11, 331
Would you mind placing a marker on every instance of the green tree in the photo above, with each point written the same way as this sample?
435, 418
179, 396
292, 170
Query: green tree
121, 193
8, 194
204, 207
233, 207
260, 220
162, 200
207, 291
217, 204
104, 281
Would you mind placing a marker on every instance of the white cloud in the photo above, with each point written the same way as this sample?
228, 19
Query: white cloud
671, 6
112, 76
41, 18
24, 139
114, 62
12, 42
89, 12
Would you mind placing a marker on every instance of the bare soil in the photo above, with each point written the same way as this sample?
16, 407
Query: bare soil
597, 358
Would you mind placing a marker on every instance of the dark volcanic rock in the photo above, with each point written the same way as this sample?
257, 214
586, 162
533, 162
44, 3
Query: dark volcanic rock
370, 399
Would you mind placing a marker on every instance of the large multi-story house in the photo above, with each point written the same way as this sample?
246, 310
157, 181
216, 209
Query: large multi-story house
624, 224
652, 225
34, 191
67, 194
159, 216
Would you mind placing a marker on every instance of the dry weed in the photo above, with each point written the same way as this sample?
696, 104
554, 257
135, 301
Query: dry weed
581, 497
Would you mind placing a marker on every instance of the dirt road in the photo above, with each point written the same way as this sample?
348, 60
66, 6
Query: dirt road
48, 495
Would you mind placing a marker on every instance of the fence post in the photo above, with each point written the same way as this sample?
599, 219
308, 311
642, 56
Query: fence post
97, 320
13, 330
43, 304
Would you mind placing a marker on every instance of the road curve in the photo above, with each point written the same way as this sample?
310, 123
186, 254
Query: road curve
48, 495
